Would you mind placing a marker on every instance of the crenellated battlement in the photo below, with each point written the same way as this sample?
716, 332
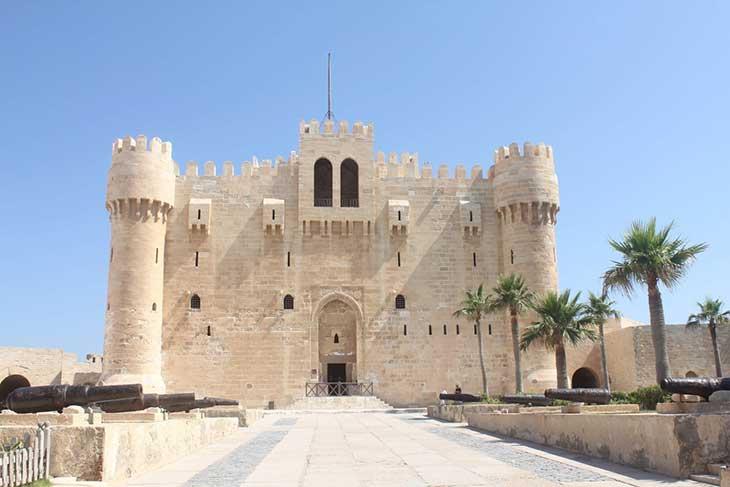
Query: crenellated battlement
139, 144
529, 152
252, 168
339, 129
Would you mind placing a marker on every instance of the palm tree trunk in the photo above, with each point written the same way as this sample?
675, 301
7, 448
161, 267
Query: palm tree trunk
485, 386
516, 350
604, 362
561, 365
658, 331
715, 349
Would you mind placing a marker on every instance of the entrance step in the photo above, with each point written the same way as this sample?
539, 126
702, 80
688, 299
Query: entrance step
339, 403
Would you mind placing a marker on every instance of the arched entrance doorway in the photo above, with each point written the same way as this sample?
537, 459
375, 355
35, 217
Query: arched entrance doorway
10, 383
584, 378
337, 342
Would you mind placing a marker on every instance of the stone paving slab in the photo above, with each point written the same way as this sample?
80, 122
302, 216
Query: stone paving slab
385, 450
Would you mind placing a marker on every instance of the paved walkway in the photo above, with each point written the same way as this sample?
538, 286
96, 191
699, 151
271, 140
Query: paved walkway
385, 450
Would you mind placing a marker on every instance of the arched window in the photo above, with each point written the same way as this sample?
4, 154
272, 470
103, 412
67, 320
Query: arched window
288, 301
154, 306
195, 302
349, 194
691, 374
322, 183
337, 338
400, 302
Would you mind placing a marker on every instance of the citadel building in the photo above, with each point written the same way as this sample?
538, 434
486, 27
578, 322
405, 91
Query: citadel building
338, 265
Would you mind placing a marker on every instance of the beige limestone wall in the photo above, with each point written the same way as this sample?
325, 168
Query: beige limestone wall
43, 366
675, 445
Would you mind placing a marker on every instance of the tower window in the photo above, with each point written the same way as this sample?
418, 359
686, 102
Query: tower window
157, 255
405, 330
208, 331
322, 183
195, 302
471, 216
108, 306
154, 306
398, 259
111, 255
430, 330
398, 215
490, 328
337, 338
400, 302
288, 301
475, 329
512, 256
474, 258
288, 259
458, 331
197, 258
444, 329
199, 215
273, 215
349, 192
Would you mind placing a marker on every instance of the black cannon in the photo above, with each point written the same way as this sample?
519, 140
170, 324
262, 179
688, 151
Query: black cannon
698, 386
527, 399
206, 402
591, 396
460, 397
144, 401
40, 399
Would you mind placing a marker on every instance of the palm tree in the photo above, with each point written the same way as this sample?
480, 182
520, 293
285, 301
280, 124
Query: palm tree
474, 307
650, 256
562, 319
598, 310
512, 294
711, 314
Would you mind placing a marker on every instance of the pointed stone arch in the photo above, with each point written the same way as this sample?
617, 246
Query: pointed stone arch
339, 314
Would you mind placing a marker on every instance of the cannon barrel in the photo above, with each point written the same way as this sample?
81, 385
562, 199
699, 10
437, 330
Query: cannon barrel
460, 397
144, 402
595, 396
698, 386
206, 402
529, 399
38, 399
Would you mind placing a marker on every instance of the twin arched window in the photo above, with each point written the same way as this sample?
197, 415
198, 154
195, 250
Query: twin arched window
349, 183
400, 302
288, 301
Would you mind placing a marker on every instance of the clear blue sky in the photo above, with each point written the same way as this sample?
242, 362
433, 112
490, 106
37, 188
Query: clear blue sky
633, 96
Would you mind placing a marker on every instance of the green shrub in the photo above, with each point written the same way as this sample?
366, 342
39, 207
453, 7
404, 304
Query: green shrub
622, 398
491, 399
559, 402
648, 397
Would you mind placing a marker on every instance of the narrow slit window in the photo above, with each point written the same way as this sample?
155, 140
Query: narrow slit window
474, 259
209, 334
197, 258
512, 256
288, 259
199, 214
471, 216
430, 330
157, 255
337, 338
398, 259
444, 329
111, 255
490, 328
398, 215
154, 306
458, 331
405, 330
108, 306
475, 329
273, 214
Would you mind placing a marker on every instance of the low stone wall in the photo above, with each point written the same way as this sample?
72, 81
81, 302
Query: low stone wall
246, 417
116, 451
677, 445
457, 413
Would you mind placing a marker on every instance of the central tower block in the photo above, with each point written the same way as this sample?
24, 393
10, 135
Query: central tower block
527, 202
140, 194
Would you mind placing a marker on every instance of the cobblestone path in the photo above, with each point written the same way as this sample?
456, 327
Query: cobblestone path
384, 450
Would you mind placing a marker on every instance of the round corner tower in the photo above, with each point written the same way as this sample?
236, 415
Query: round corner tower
527, 202
140, 194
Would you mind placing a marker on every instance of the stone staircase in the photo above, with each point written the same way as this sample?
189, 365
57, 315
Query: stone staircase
712, 477
339, 403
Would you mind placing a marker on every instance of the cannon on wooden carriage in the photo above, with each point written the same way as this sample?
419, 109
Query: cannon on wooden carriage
460, 397
590, 396
697, 386
38, 399
206, 402
527, 399
145, 401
